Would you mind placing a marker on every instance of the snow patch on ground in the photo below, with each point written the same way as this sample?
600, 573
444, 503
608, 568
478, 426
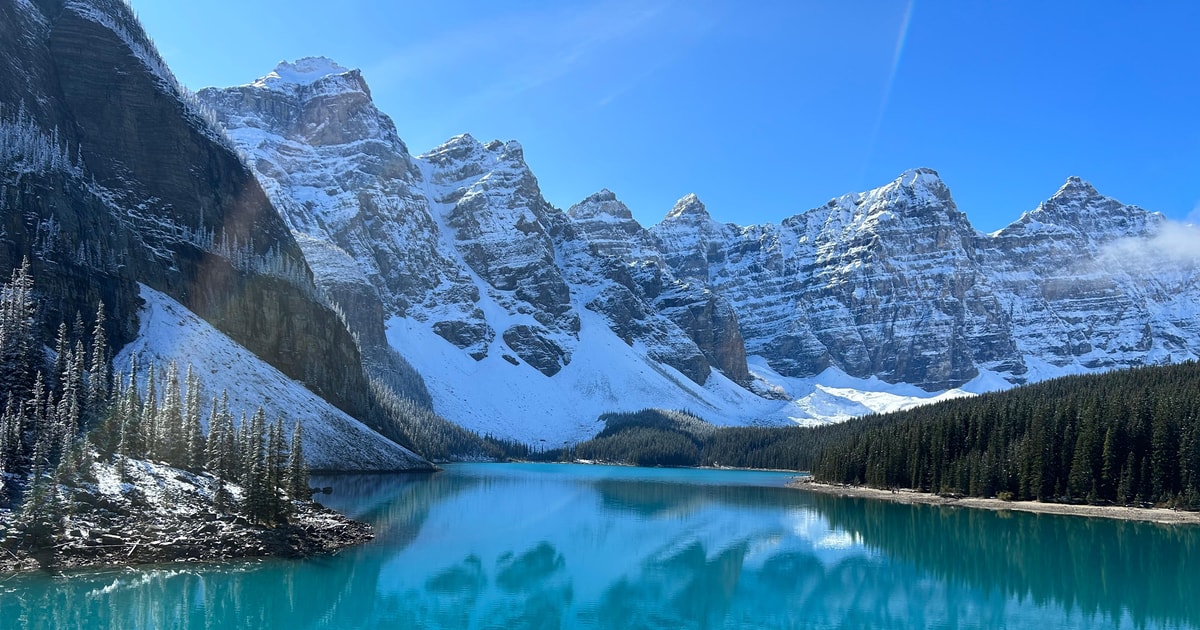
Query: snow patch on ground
332, 439
518, 402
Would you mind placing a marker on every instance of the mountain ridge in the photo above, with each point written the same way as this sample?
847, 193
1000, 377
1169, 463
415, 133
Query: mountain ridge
893, 283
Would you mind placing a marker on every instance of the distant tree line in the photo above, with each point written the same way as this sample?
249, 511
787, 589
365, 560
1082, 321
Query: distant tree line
661, 437
1126, 437
63, 413
421, 430
1129, 437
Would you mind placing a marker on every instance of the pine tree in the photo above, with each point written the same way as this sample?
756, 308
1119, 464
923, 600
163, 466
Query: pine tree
171, 443
132, 431
219, 449
10, 438
149, 416
61, 347
297, 470
78, 330
99, 374
41, 513
20, 345
42, 447
255, 487
1110, 468
193, 435
276, 467
216, 452
70, 404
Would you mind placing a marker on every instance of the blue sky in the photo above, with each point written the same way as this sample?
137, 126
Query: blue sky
763, 109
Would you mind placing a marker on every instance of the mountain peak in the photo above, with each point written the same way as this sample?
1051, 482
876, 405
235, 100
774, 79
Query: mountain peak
916, 191
689, 206
1076, 187
599, 196
920, 177
602, 203
1077, 206
307, 71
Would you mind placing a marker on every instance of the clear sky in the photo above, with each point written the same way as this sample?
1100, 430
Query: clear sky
764, 109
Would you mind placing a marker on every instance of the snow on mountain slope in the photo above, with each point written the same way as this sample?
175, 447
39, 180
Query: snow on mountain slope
895, 283
332, 440
494, 396
528, 322
606, 375
460, 249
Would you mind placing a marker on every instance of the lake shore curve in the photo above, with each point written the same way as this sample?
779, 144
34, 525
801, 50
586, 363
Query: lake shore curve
912, 497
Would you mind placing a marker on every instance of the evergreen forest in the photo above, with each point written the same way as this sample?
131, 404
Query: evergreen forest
63, 413
1129, 437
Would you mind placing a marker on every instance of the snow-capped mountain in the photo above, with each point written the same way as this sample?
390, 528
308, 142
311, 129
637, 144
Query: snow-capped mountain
113, 178
896, 283
527, 321
465, 259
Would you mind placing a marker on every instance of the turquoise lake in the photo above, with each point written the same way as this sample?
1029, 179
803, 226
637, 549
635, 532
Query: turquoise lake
570, 546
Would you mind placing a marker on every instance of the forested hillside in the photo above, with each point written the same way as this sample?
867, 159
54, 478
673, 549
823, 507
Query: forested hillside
64, 417
1127, 437
658, 437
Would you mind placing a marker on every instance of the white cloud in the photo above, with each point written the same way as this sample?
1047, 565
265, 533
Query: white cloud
1175, 244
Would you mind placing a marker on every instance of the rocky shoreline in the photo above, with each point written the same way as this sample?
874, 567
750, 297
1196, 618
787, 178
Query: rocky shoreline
912, 497
154, 513
134, 540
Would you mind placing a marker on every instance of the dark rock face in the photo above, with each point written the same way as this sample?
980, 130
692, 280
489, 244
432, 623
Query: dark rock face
472, 337
710, 321
535, 347
151, 194
500, 225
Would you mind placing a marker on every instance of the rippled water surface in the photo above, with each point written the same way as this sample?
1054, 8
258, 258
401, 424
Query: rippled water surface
563, 546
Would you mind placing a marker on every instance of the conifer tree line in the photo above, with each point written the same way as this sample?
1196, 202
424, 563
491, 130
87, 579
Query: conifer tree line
163, 421
660, 437
1127, 437
63, 412
420, 430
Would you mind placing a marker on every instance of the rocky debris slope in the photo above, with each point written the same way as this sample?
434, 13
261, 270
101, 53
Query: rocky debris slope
162, 514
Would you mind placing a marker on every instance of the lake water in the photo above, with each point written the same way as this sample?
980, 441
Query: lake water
563, 546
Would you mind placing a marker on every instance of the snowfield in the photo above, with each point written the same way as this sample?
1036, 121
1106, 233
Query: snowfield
333, 440
606, 375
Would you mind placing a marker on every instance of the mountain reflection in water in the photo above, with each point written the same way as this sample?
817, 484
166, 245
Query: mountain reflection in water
557, 546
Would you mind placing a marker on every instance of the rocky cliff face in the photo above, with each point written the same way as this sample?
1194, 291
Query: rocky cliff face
896, 283
891, 284
460, 238
111, 175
